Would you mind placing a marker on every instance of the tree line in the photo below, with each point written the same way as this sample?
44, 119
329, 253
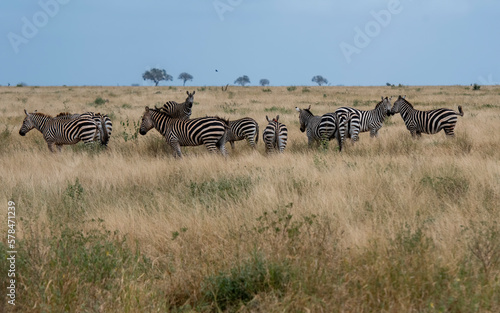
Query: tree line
157, 75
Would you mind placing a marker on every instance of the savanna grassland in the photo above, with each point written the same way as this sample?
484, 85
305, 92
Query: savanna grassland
392, 224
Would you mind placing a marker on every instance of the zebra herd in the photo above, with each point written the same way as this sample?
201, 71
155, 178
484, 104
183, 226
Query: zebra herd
174, 123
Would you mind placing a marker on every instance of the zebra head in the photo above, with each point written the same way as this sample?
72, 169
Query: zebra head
387, 106
28, 124
304, 115
396, 107
190, 99
147, 122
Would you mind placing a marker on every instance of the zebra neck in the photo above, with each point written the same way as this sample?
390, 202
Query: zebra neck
160, 122
41, 122
406, 110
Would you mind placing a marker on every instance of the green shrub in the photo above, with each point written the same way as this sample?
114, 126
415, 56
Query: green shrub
240, 284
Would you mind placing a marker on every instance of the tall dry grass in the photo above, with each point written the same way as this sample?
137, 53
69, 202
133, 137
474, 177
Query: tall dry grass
390, 224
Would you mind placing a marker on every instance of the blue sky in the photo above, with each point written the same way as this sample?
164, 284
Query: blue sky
419, 42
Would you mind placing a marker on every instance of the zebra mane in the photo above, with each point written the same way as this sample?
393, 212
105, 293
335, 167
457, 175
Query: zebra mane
64, 114
42, 114
406, 101
308, 111
225, 120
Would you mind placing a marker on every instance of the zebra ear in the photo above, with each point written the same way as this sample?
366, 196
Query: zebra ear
309, 107
277, 118
25, 112
193, 92
383, 98
147, 108
187, 92
267, 118
298, 110
404, 96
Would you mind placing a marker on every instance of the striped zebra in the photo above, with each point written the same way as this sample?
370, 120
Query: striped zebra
63, 130
319, 128
427, 122
244, 128
275, 135
179, 110
371, 120
349, 121
101, 120
208, 131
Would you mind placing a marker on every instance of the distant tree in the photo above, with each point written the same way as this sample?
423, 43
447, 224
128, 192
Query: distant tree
320, 80
156, 75
242, 80
185, 77
264, 82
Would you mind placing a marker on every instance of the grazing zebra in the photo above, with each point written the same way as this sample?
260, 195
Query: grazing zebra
275, 135
208, 131
318, 128
179, 110
427, 122
63, 130
244, 128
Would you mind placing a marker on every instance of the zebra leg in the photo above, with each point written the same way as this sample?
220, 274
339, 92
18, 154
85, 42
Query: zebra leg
176, 147
232, 144
450, 132
221, 144
51, 147
59, 148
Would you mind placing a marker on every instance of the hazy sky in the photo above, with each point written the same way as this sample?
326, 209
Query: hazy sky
111, 42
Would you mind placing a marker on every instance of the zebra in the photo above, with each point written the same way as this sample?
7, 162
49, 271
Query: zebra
371, 120
244, 128
208, 131
325, 127
62, 130
179, 110
349, 122
101, 120
275, 135
427, 122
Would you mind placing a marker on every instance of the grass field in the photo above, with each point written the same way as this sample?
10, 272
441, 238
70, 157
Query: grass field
392, 224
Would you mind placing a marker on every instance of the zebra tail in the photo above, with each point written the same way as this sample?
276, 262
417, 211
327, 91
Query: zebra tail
104, 133
460, 110
257, 135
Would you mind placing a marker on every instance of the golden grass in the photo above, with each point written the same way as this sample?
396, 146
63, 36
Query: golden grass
372, 207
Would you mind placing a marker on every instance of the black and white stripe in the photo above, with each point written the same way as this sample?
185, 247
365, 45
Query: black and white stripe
208, 131
275, 135
102, 121
349, 122
371, 120
427, 122
179, 110
61, 130
244, 128
318, 128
